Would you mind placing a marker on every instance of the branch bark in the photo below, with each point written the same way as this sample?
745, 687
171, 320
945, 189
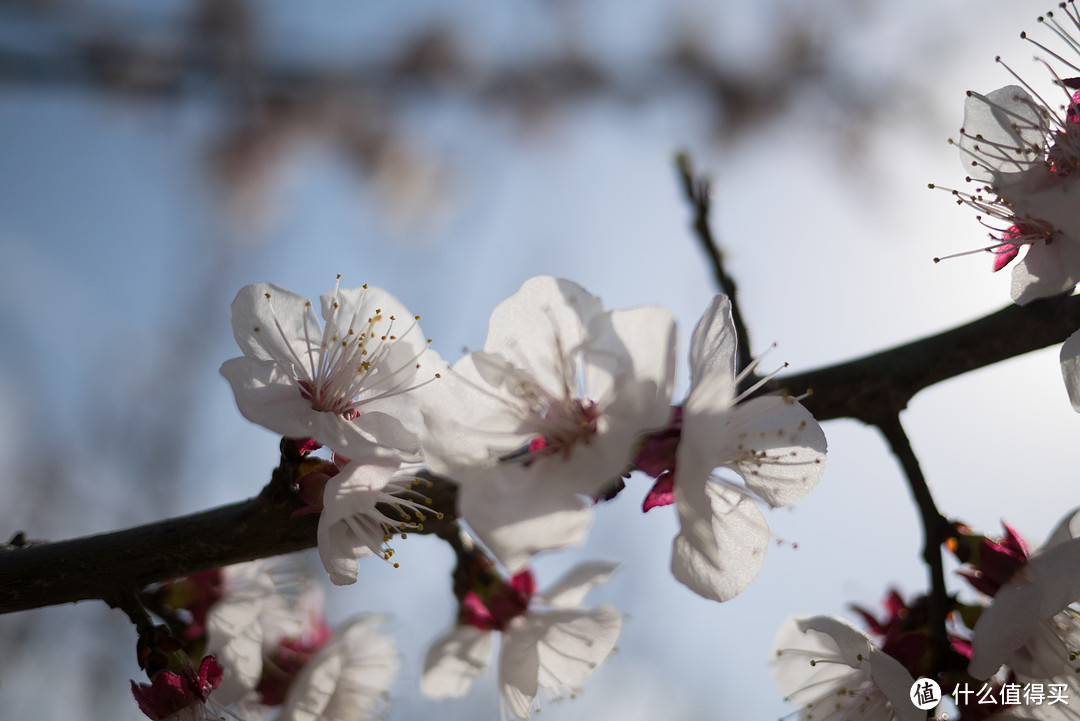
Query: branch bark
874, 387
110, 566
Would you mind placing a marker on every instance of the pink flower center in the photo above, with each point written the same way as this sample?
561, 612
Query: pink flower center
565, 425
505, 603
285, 663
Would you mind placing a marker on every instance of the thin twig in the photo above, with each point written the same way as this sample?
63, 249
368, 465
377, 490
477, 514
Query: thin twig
935, 528
698, 191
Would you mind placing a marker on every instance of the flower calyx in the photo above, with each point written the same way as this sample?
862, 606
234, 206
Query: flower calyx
990, 562
488, 601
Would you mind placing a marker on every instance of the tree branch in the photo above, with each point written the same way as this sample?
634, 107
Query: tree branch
108, 565
935, 528
872, 387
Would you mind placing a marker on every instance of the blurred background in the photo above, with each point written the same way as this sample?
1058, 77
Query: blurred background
159, 156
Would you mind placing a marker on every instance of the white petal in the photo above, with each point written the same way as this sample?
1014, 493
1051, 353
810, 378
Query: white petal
1048, 583
266, 395
555, 652
630, 367
349, 526
1003, 130
301, 616
816, 658
283, 328
473, 415
516, 517
346, 309
573, 643
403, 362
774, 444
795, 670
454, 660
1047, 269
235, 629
712, 348
1068, 528
571, 589
349, 676
519, 668
1070, 368
1047, 653
722, 540
540, 328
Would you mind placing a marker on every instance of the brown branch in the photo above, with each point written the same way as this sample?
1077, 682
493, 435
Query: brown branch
873, 387
108, 565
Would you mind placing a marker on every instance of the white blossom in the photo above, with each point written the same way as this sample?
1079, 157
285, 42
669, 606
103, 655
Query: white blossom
1022, 150
261, 604
547, 413
352, 525
549, 643
349, 677
349, 385
1033, 623
834, 672
771, 442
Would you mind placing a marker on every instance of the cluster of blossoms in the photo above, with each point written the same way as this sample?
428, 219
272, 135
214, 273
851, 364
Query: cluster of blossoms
1022, 634
1022, 151
1032, 625
565, 399
262, 646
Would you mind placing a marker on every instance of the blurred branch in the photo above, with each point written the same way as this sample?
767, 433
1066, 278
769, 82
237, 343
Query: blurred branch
268, 101
872, 389
698, 191
211, 55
